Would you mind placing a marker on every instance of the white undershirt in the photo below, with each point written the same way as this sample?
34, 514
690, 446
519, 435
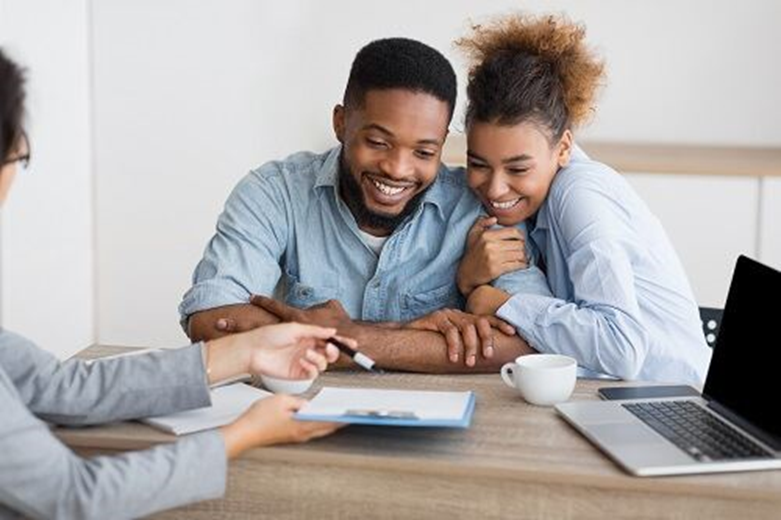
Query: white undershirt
374, 243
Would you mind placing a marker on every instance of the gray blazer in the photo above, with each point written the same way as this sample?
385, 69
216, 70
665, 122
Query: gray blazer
41, 478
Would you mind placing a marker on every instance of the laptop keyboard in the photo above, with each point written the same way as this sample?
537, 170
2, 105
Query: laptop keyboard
696, 431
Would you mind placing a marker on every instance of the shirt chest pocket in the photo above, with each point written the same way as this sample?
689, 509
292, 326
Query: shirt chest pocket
303, 295
419, 303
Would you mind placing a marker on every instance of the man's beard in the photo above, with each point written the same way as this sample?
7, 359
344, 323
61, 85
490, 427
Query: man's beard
352, 194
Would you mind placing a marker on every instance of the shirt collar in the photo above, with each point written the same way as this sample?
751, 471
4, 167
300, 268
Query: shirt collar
328, 176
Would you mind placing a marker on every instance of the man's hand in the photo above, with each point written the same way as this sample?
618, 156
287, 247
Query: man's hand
465, 333
326, 314
489, 254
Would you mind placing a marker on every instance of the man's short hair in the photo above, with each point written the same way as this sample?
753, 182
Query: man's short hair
401, 63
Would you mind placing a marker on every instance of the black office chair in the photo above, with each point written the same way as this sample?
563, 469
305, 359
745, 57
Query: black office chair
711, 322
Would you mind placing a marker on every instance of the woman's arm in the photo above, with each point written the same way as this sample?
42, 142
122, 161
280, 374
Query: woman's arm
42, 478
486, 300
602, 328
79, 392
156, 383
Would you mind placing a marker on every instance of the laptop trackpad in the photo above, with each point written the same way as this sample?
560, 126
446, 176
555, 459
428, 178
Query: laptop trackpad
624, 433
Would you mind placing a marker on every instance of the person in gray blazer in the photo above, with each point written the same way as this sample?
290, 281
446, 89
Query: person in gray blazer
41, 478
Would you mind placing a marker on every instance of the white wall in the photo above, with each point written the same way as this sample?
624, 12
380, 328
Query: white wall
190, 95
46, 228
770, 232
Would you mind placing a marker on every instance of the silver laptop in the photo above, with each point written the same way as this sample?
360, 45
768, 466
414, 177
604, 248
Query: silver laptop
735, 425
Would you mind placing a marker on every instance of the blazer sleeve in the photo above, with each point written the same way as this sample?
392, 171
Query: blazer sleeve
41, 478
78, 392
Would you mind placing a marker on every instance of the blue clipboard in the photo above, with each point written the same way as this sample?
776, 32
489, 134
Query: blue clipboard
389, 415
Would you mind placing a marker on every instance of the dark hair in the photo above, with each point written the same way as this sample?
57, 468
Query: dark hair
531, 69
11, 104
401, 63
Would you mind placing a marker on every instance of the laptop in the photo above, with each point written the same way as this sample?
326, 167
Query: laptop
735, 425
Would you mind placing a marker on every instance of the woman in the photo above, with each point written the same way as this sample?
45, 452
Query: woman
41, 478
619, 299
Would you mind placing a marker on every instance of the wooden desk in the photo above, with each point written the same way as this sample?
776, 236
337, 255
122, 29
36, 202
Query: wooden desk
516, 461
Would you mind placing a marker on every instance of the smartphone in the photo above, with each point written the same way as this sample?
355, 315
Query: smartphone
646, 392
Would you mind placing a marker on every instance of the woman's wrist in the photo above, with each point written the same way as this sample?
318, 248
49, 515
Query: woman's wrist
465, 285
235, 439
227, 357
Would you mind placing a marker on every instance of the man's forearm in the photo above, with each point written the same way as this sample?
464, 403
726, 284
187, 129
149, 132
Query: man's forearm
414, 350
202, 326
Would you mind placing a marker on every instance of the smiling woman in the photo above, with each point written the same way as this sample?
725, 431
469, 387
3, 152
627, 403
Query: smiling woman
618, 299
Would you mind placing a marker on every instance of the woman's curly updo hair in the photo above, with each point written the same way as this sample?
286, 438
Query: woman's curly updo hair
531, 68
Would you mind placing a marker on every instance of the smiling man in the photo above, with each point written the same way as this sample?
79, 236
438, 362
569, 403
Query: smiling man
371, 230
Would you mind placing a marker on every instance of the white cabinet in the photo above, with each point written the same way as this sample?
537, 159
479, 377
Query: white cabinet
770, 223
710, 219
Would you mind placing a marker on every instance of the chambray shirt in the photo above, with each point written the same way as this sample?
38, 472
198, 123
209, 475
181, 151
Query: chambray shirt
621, 303
286, 222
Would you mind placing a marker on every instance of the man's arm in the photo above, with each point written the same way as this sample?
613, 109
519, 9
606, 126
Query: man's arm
221, 321
399, 346
426, 351
242, 258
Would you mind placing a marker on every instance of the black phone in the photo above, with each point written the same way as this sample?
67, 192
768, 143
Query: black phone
612, 393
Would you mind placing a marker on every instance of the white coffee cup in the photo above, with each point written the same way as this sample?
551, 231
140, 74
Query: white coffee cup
542, 379
286, 386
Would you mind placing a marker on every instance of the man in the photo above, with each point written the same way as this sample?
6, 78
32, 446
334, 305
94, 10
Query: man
374, 228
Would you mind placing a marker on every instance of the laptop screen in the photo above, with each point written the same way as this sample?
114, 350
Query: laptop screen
745, 371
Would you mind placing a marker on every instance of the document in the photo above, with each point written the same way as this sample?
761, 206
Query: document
228, 402
390, 407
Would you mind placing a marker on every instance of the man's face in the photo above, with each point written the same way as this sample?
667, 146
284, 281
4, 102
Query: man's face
391, 152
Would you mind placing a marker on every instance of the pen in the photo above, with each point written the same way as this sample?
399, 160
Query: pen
360, 359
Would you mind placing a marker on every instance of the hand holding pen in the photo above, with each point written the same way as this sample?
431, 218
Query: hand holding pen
360, 359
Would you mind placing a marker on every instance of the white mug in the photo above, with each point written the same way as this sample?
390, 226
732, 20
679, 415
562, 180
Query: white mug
542, 379
286, 386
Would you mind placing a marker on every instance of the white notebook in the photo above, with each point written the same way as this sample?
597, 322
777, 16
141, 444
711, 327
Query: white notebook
228, 402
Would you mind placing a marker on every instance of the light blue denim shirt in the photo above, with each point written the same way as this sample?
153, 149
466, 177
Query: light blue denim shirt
285, 221
621, 303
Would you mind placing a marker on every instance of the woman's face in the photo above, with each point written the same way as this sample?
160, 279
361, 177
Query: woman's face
11, 164
7, 174
511, 168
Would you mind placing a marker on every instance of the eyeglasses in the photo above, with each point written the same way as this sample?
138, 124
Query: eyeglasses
23, 160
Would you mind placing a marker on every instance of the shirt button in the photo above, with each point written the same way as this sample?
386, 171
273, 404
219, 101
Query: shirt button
376, 284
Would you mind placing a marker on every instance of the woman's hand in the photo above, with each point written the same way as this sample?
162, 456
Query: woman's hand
285, 350
294, 351
489, 254
270, 421
465, 333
